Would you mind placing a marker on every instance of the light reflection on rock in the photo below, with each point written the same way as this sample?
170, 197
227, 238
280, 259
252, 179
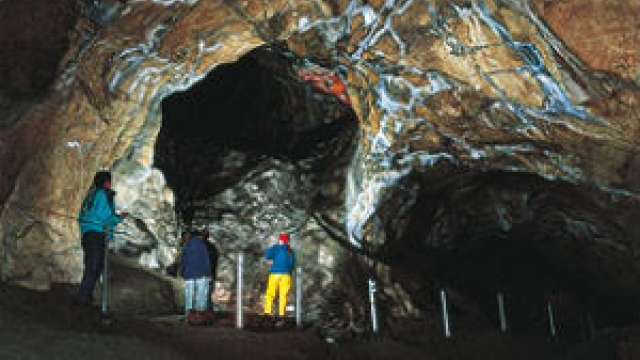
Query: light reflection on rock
445, 92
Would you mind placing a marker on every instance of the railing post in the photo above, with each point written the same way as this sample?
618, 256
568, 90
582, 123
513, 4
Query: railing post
502, 313
105, 279
239, 320
299, 297
552, 320
445, 313
372, 302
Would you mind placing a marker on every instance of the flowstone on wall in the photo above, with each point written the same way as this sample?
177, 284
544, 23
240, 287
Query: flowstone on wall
453, 98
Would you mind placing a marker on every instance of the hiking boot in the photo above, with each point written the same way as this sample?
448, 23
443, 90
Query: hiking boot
209, 317
195, 317
280, 323
84, 306
81, 303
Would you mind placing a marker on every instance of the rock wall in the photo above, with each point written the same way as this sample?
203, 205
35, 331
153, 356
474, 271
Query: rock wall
444, 91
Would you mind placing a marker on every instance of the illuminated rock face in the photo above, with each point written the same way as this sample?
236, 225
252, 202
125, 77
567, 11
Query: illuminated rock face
599, 34
248, 173
479, 121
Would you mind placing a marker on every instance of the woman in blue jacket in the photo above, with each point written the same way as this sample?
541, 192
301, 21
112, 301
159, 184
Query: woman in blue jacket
282, 260
97, 219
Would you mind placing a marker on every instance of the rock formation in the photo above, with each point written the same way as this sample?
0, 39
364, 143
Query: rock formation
497, 143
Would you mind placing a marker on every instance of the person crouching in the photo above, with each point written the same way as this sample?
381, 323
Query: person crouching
196, 271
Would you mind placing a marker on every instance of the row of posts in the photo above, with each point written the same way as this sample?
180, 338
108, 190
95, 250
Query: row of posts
239, 291
372, 287
502, 315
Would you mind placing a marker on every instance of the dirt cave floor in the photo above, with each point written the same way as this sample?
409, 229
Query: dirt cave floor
45, 325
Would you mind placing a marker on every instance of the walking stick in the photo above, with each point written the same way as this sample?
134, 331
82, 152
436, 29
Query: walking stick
105, 286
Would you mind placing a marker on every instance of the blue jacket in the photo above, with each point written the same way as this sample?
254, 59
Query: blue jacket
98, 213
195, 260
283, 262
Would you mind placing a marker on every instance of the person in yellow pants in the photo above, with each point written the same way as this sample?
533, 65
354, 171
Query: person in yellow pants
282, 261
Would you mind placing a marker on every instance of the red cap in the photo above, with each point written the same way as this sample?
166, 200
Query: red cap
284, 237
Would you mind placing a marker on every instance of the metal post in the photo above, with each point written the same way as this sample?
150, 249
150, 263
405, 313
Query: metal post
502, 313
239, 280
372, 302
552, 322
299, 297
445, 313
105, 277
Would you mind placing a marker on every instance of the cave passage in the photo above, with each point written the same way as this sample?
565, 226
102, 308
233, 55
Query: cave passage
241, 114
250, 151
484, 233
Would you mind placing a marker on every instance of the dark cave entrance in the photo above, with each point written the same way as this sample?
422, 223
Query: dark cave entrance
251, 128
238, 115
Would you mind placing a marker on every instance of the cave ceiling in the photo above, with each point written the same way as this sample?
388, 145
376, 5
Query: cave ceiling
480, 123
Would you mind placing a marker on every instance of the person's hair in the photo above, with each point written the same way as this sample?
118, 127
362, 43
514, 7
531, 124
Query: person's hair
200, 232
100, 178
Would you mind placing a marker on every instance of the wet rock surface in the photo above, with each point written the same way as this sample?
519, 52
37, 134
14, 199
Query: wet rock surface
497, 147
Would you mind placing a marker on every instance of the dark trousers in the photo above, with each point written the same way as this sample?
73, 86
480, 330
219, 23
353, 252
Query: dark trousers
93, 245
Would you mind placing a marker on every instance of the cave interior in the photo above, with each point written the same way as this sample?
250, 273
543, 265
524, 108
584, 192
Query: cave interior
258, 146
455, 235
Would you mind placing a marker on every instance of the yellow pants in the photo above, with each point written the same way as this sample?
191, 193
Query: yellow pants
277, 281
